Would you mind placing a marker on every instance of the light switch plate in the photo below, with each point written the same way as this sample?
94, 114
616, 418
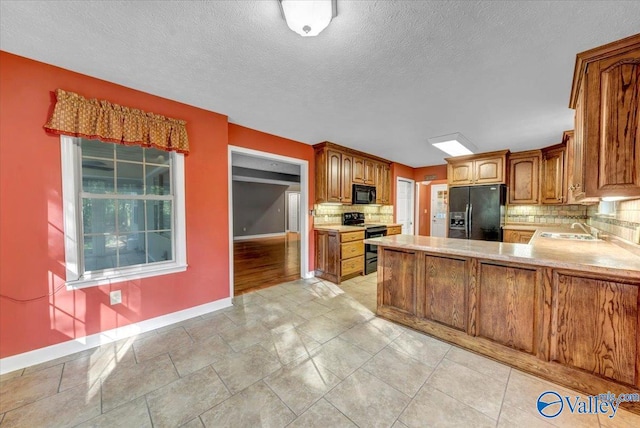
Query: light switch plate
115, 297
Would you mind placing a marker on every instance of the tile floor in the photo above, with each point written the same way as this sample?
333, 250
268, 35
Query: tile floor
300, 354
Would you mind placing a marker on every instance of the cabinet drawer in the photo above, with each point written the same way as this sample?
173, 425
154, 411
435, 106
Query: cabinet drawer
352, 249
355, 264
394, 230
351, 236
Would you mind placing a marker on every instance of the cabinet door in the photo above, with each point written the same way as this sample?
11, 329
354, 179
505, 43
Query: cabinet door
487, 171
369, 173
577, 186
460, 173
327, 255
445, 291
613, 125
386, 185
552, 181
358, 170
506, 305
345, 178
396, 274
597, 326
524, 179
510, 236
334, 172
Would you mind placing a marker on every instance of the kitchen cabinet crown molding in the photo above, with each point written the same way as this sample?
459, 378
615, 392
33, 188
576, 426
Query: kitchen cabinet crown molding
347, 150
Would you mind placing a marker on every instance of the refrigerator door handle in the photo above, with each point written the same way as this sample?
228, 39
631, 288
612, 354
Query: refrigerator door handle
470, 215
467, 230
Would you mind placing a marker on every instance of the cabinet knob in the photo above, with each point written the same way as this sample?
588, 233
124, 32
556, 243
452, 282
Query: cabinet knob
572, 187
577, 185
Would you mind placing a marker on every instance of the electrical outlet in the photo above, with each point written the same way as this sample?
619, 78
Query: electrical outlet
115, 297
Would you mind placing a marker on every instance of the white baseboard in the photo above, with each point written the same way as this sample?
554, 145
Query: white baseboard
264, 235
37, 356
309, 275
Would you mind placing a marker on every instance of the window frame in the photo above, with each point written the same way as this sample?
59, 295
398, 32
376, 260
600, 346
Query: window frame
73, 241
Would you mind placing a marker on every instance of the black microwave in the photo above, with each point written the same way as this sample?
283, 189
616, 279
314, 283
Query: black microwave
362, 194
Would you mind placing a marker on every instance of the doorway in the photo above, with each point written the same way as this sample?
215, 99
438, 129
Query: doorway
405, 204
439, 209
263, 250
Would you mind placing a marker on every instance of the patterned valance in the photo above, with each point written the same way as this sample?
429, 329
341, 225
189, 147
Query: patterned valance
101, 120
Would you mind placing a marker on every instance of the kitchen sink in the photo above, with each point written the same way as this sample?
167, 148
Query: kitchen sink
569, 236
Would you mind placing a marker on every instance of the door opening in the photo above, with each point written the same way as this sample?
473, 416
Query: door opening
404, 204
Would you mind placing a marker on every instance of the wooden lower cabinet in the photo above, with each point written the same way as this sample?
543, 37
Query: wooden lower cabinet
597, 329
445, 288
394, 230
517, 236
339, 256
506, 308
577, 329
397, 267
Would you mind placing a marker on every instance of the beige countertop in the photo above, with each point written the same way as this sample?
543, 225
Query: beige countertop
340, 228
593, 256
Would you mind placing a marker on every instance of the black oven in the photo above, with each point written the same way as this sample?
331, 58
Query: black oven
362, 194
371, 250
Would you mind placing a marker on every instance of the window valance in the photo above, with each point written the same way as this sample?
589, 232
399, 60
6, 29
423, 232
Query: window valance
98, 119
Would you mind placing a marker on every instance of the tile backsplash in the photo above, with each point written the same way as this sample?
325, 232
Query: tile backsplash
624, 223
332, 214
552, 214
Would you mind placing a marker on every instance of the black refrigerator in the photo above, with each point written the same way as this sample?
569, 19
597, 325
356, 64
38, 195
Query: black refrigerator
477, 212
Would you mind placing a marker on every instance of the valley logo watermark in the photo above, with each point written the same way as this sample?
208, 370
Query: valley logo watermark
550, 404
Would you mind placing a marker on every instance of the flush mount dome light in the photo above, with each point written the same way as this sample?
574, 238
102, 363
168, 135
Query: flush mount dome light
453, 144
308, 17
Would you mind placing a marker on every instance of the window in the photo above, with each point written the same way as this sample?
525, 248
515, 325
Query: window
123, 210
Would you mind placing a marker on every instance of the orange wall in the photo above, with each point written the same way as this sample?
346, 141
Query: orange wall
31, 224
256, 140
440, 171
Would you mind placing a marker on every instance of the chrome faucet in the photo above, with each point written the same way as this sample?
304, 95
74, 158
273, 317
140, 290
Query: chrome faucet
582, 226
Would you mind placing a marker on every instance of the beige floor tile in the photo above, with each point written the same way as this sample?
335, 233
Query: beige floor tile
243, 337
398, 424
301, 383
299, 296
322, 415
398, 370
478, 363
388, 328
310, 309
199, 354
132, 414
367, 337
256, 406
209, 327
340, 357
57, 361
368, 401
272, 292
150, 347
94, 367
82, 401
184, 399
426, 349
322, 328
241, 369
323, 291
513, 417
434, 408
290, 345
243, 315
125, 384
184, 324
474, 389
11, 375
622, 419
523, 391
18, 391
350, 316
193, 423
282, 320
248, 299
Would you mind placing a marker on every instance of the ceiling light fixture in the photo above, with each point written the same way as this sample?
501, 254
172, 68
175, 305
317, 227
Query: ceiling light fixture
453, 144
308, 17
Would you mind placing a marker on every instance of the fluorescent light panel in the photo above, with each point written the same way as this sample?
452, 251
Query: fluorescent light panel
453, 144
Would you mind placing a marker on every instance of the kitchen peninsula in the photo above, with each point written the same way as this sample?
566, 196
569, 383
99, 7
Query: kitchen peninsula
567, 311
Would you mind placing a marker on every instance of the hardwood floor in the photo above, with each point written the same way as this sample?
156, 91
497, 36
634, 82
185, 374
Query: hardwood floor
259, 263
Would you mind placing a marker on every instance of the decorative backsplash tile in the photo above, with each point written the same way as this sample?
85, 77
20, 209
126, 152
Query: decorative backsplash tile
332, 214
552, 214
624, 223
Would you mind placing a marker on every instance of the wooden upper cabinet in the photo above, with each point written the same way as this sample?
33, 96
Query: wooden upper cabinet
338, 168
524, 177
606, 97
483, 168
553, 175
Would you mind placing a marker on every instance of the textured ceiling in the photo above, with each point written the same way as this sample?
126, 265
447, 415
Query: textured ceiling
382, 78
